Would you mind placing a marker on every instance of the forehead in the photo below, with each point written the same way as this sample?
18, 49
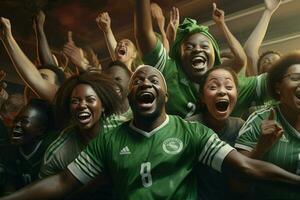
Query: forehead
220, 75
197, 38
270, 55
83, 90
147, 72
295, 68
28, 111
117, 69
125, 41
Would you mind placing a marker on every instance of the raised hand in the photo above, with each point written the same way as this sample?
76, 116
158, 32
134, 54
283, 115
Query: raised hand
39, 18
272, 5
218, 15
158, 15
74, 53
5, 27
103, 21
271, 132
173, 24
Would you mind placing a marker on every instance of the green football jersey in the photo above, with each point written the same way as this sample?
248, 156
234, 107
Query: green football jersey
68, 145
152, 165
23, 169
184, 94
285, 153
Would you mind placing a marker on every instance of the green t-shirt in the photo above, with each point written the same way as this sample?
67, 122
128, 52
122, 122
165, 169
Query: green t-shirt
152, 165
285, 153
23, 169
184, 94
68, 145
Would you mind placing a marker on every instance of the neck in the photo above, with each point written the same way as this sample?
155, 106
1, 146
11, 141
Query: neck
125, 106
292, 116
88, 134
28, 148
129, 64
147, 124
212, 123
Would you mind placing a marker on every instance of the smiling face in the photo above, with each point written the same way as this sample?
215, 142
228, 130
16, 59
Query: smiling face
120, 75
85, 106
147, 93
27, 126
289, 88
125, 51
219, 94
197, 56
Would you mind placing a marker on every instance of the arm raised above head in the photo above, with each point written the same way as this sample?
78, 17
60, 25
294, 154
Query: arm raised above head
143, 27
26, 69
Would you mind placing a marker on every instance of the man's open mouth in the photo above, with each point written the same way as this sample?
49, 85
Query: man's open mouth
222, 105
17, 133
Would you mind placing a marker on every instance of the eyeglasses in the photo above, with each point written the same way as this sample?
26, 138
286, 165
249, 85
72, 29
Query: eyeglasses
295, 77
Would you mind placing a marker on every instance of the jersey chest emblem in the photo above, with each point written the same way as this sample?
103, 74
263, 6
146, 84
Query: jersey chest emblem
172, 145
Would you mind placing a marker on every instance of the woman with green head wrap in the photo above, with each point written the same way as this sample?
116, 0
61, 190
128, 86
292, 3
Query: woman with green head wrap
194, 52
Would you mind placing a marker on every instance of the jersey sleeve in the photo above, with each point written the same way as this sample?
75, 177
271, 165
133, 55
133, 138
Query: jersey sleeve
90, 162
157, 57
211, 150
249, 133
252, 91
48, 168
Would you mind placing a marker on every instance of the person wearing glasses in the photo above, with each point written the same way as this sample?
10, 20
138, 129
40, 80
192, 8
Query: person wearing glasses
272, 134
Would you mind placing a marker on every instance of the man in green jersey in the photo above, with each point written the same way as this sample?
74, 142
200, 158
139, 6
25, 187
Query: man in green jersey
153, 156
193, 52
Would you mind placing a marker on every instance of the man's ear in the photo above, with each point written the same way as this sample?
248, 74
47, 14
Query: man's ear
167, 97
277, 88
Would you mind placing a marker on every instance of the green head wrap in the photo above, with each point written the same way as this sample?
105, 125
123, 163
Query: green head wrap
188, 27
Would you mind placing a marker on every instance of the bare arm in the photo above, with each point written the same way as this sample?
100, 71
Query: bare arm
44, 53
234, 45
104, 22
237, 164
157, 15
144, 33
26, 69
75, 54
254, 41
53, 187
173, 25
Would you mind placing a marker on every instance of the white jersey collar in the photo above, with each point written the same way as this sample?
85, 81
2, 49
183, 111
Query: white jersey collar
149, 134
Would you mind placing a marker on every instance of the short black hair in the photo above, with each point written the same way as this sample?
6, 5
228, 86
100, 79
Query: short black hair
278, 70
60, 75
46, 114
104, 87
120, 64
264, 54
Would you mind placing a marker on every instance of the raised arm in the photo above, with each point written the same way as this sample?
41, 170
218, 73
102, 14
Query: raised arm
159, 17
173, 25
234, 45
144, 33
53, 187
75, 54
254, 41
26, 69
104, 23
44, 53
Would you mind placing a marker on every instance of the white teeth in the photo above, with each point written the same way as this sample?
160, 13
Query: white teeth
84, 114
